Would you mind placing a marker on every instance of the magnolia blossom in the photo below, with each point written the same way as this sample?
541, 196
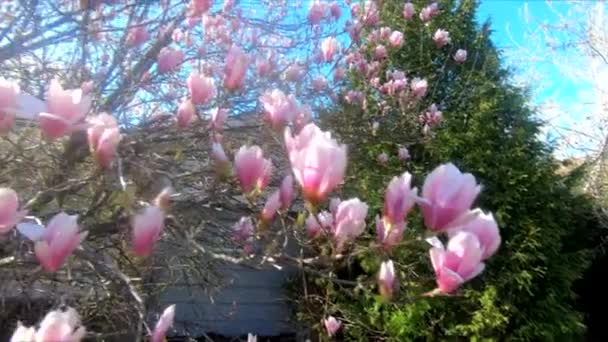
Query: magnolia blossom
294, 72
303, 117
235, 68
64, 109
419, 87
57, 326
318, 161
9, 210
319, 83
408, 10
199, 7
169, 59
147, 227
338, 74
389, 234
380, 52
433, 116
384, 32
185, 114
218, 117
354, 96
396, 39
460, 56
428, 12
335, 10
252, 169
103, 136
370, 15
8, 104
447, 195
137, 35
262, 66
221, 162
332, 325
387, 279
441, 38
460, 262
243, 229
316, 11
202, 89
163, 325
403, 153
273, 204
286, 192
399, 198
484, 227
383, 158
53, 244
279, 109
334, 202
329, 47
349, 221
322, 223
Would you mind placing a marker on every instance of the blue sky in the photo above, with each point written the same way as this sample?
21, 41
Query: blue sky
565, 95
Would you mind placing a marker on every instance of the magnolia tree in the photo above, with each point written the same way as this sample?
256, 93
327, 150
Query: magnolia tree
105, 101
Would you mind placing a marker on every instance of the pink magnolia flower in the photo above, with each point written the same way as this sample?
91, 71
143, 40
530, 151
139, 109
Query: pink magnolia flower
286, 192
460, 262
447, 195
329, 47
199, 7
65, 108
370, 15
322, 223
9, 210
273, 204
335, 10
353, 97
383, 158
419, 87
316, 11
243, 229
338, 74
433, 116
384, 32
484, 227
319, 83
165, 322
349, 221
235, 68
332, 325
387, 279
389, 234
399, 198
202, 89
318, 161
252, 169
57, 241
460, 56
293, 73
8, 104
137, 35
380, 52
169, 59
408, 10
441, 38
64, 326
396, 39
403, 153
262, 66
218, 117
334, 203
279, 109
147, 227
428, 12
103, 136
185, 114
221, 162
